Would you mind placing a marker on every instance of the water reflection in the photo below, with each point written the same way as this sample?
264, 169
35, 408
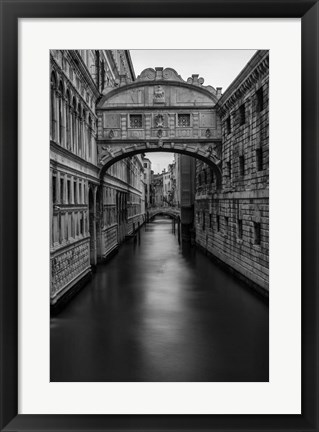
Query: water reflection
161, 312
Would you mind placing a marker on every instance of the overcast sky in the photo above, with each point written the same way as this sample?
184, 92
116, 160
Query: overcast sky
218, 68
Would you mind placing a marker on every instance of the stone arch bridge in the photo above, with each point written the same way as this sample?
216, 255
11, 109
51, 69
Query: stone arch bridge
159, 112
173, 212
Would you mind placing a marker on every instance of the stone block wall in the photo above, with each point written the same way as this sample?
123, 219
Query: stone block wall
232, 222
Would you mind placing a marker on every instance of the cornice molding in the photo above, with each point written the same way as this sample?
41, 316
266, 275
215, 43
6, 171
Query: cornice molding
256, 69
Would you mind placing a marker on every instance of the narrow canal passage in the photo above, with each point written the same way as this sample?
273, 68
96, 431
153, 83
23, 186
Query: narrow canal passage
157, 312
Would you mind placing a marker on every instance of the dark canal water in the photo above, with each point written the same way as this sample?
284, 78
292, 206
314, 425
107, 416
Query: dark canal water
156, 312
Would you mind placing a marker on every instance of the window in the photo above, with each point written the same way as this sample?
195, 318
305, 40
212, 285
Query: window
218, 222
61, 190
60, 113
80, 193
205, 177
260, 99
229, 168
259, 159
136, 121
184, 120
145, 165
54, 189
69, 190
240, 228
257, 233
242, 115
74, 192
210, 220
81, 224
212, 177
203, 226
226, 224
241, 165
228, 126
199, 179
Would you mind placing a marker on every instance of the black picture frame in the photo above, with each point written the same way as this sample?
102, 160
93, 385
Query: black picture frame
11, 11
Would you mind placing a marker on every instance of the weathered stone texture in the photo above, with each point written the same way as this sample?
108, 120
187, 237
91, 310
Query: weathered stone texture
232, 222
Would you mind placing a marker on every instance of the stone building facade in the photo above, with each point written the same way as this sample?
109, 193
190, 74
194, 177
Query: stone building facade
232, 219
103, 120
89, 216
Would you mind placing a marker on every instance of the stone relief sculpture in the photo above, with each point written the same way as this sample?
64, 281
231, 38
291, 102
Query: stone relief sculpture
159, 94
159, 121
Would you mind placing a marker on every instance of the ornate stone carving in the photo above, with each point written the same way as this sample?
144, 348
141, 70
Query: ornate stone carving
159, 94
68, 265
167, 74
159, 120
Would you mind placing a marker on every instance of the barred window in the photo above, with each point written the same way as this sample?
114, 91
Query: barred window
228, 125
240, 228
241, 165
136, 121
218, 222
242, 115
257, 232
260, 99
184, 120
259, 159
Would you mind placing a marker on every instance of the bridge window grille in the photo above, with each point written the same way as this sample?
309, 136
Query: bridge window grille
136, 121
184, 120
257, 233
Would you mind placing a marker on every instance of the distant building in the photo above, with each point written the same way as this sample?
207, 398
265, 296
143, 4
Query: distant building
157, 190
147, 180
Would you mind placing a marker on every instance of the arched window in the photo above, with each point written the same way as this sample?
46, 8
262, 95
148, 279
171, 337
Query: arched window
53, 106
89, 131
68, 120
61, 113
79, 129
74, 119
84, 134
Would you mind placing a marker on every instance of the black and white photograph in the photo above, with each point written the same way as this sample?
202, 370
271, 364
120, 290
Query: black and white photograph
159, 215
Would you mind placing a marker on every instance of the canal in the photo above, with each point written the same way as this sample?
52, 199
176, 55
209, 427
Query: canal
160, 312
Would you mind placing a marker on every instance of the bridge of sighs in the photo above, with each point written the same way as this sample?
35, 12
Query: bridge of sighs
159, 112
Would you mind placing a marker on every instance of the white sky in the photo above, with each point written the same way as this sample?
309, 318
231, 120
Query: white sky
218, 68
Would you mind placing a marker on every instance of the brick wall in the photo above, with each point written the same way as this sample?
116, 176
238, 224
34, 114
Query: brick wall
232, 223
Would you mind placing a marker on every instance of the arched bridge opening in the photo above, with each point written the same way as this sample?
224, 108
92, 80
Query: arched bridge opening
160, 111
209, 157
